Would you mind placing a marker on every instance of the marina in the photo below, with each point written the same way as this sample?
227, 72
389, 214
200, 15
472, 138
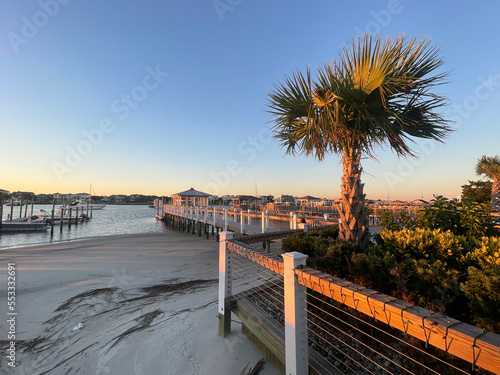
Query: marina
114, 220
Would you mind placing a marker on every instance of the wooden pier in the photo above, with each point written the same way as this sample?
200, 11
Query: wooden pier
204, 220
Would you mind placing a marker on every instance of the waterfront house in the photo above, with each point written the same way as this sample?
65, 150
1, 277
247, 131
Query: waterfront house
244, 202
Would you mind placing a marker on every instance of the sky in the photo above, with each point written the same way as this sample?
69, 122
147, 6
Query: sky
159, 96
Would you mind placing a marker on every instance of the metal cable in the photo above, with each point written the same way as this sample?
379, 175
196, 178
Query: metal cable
385, 333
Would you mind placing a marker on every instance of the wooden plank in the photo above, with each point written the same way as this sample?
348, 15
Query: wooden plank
256, 323
462, 340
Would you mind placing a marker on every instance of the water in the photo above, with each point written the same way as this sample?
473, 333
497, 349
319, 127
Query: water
112, 220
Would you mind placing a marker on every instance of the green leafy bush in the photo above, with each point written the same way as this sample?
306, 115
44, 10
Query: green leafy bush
482, 286
439, 270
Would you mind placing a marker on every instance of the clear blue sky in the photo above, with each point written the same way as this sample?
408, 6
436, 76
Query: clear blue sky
156, 97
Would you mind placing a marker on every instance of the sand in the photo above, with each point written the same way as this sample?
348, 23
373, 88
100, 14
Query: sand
147, 304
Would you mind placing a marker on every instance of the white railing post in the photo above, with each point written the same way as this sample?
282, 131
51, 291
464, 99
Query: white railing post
249, 218
214, 218
267, 221
291, 220
225, 220
296, 345
263, 221
225, 285
294, 221
242, 223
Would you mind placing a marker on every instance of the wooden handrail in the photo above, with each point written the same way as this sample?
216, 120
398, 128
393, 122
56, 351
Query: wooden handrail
480, 348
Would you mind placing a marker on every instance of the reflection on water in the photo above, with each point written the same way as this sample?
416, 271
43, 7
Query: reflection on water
112, 220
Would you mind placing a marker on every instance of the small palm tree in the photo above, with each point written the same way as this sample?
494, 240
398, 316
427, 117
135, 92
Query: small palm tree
378, 93
489, 166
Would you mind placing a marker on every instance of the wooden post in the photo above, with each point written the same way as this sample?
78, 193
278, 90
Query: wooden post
62, 217
26, 208
32, 204
225, 220
53, 211
21, 208
11, 208
1, 211
296, 346
225, 284
91, 211
69, 217
76, 216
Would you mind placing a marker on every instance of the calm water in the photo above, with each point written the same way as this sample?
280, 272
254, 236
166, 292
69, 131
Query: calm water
112, 220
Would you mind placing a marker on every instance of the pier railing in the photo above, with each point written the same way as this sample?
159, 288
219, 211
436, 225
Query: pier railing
242, 221
305, 320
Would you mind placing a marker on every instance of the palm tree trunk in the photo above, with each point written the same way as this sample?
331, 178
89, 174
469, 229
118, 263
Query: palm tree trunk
495, 195
353, 220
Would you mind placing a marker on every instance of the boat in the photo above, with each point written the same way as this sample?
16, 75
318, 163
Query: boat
84, 204
65, 218
13, 203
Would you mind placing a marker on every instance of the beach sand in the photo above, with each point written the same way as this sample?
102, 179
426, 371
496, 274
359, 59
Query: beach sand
147, 304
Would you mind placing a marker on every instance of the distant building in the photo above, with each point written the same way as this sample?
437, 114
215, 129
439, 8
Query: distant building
243, 202
190, 197
284, 199
308, 201
266, 199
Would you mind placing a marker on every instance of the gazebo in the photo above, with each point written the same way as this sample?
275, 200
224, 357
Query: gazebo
190, 197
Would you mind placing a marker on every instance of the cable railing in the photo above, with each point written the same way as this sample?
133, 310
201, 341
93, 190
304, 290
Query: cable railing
342, 328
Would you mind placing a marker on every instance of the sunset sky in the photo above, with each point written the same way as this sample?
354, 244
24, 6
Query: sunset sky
155, 97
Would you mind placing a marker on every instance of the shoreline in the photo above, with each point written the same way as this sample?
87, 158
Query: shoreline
147, 304
62, 241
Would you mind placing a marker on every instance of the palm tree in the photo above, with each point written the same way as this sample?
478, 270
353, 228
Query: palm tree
378, 93
490, 167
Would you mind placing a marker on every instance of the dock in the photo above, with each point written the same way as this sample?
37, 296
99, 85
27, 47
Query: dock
206, 220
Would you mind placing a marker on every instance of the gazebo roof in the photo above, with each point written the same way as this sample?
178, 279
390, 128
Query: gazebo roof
192, 193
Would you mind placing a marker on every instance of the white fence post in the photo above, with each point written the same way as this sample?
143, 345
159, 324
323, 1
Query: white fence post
263, 222
296, 345
225, 285
242, 223
249, 217
291, 220
294, 221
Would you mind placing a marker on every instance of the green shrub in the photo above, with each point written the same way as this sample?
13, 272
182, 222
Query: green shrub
482, 287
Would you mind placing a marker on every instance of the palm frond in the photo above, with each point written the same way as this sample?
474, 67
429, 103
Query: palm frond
489, 166
379, 92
